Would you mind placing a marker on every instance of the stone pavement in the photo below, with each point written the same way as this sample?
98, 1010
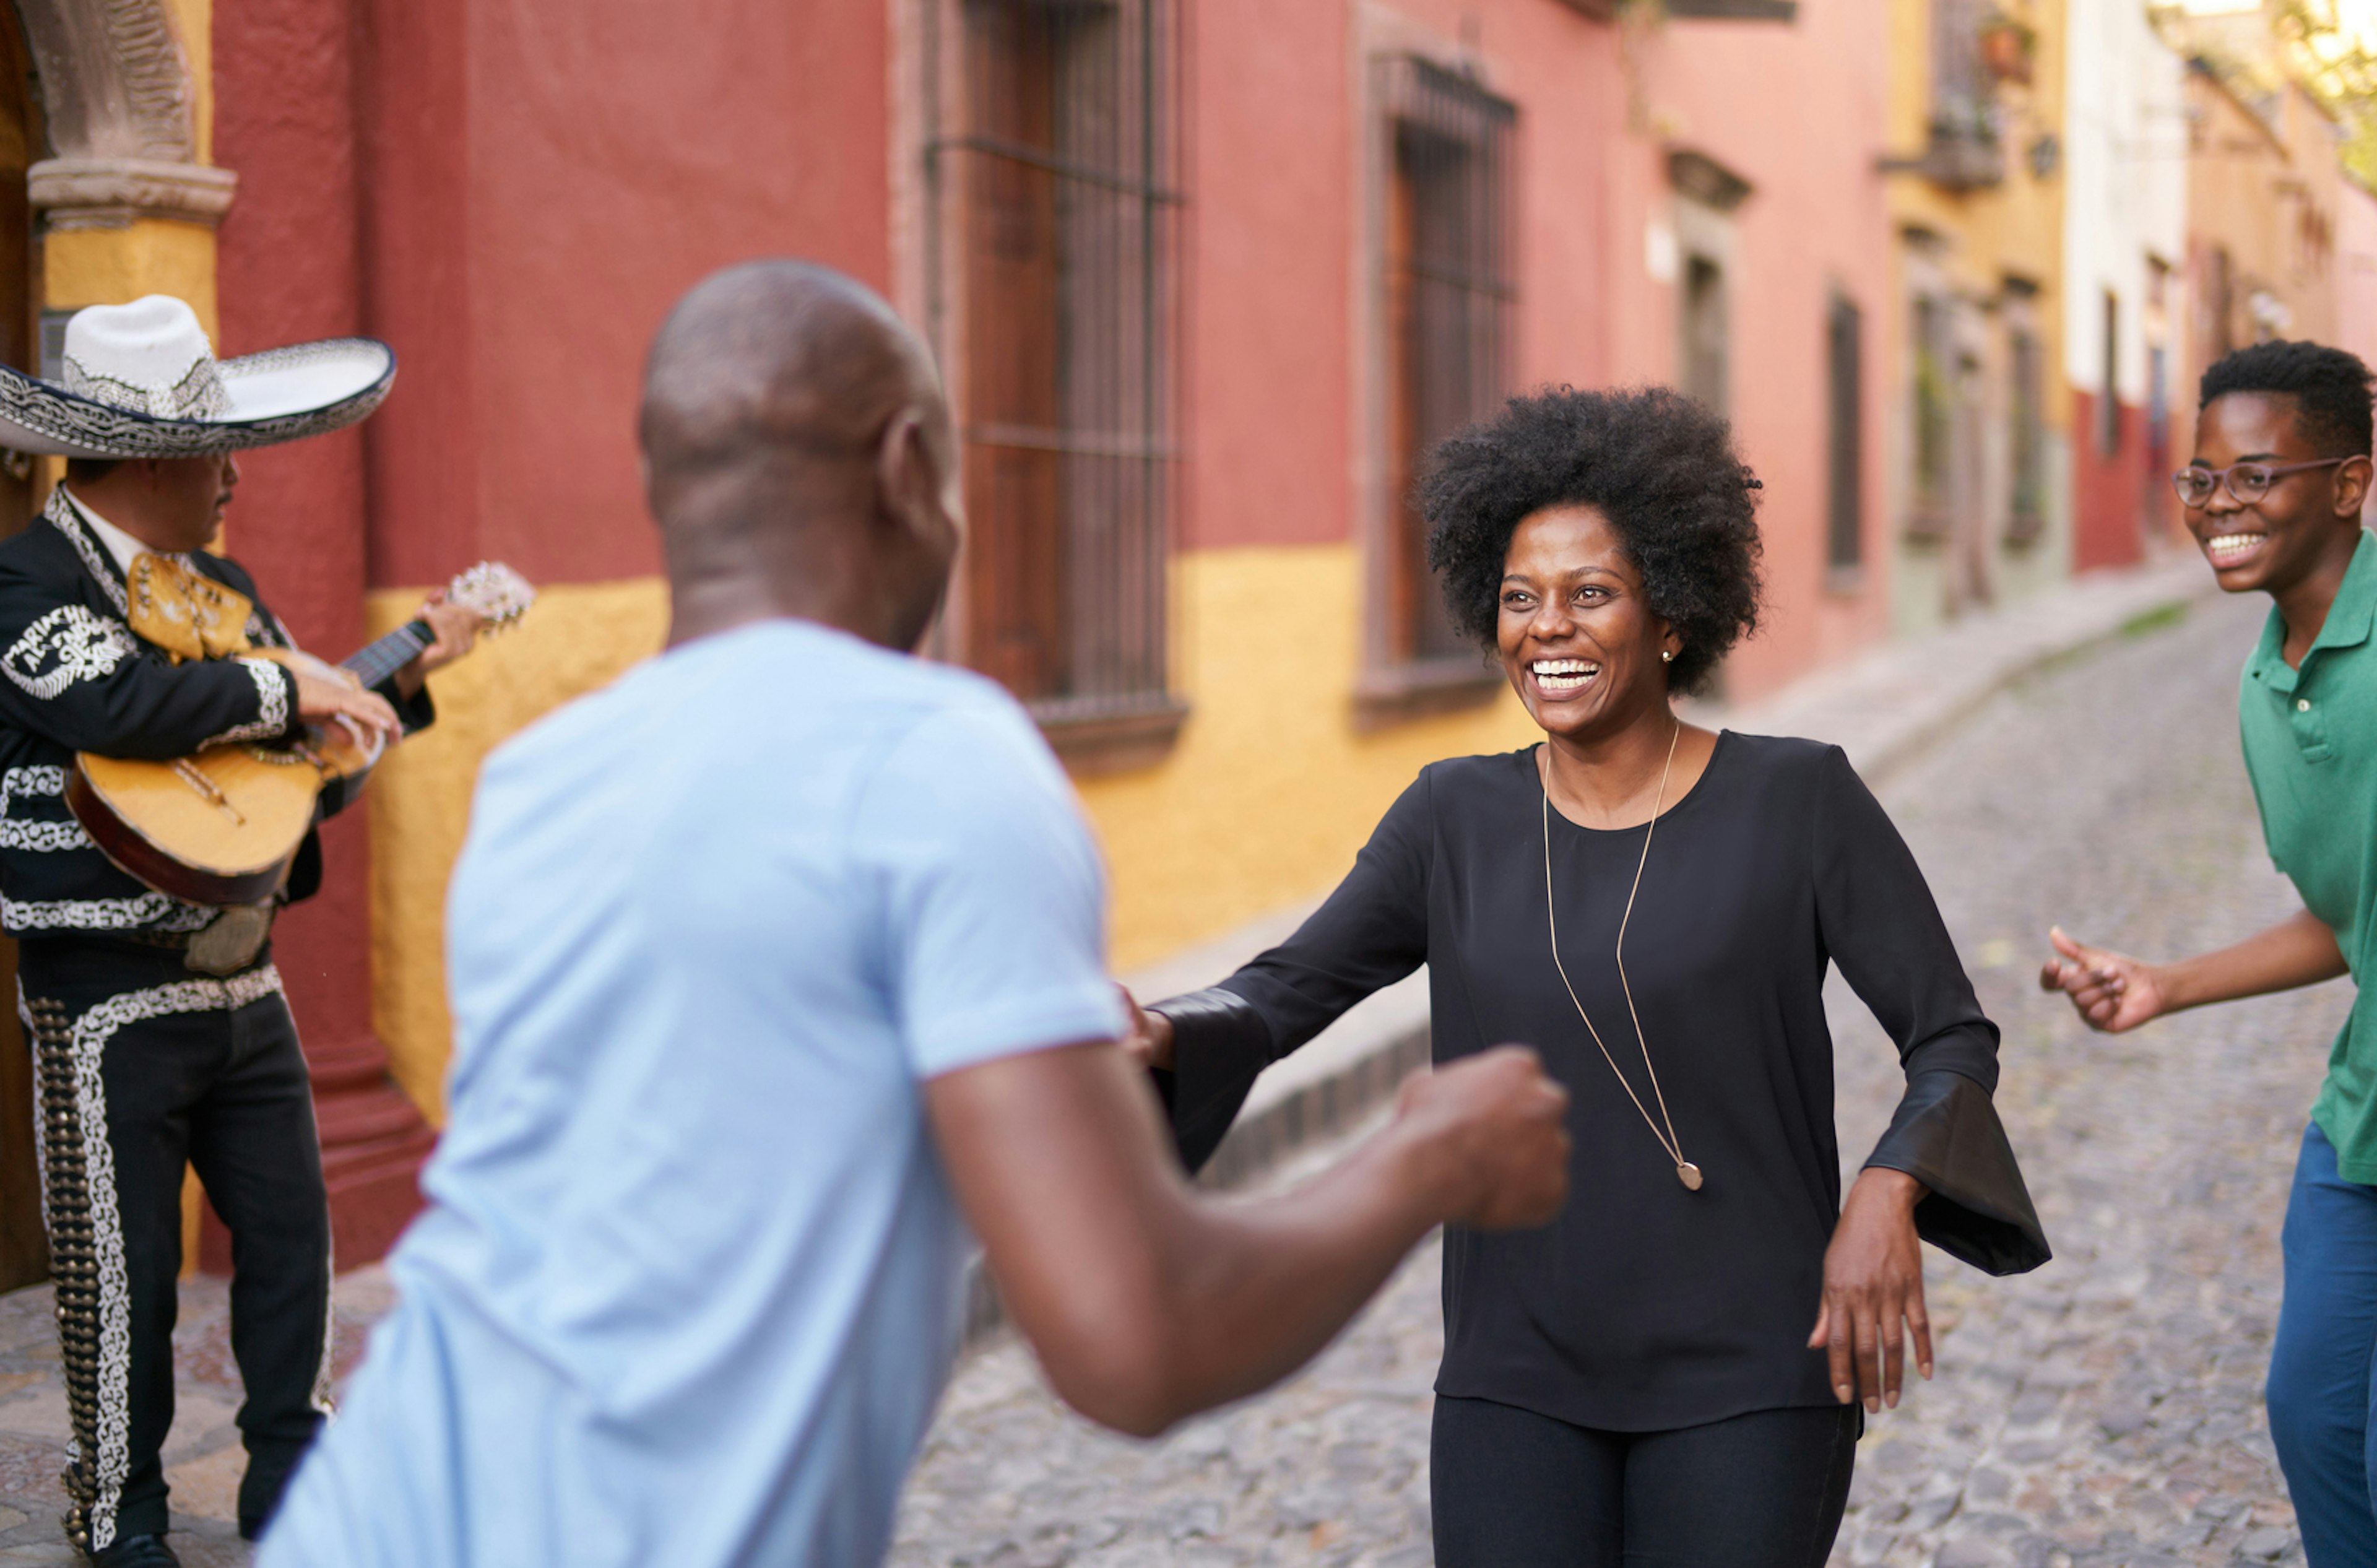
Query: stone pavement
2103, 1411
203, 1460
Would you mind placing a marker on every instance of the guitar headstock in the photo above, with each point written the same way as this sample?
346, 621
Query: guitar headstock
497, 593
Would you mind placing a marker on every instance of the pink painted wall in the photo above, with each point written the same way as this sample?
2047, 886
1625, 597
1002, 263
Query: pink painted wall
1798, 111
1280, 181
541, 180
2356, 271
544, 179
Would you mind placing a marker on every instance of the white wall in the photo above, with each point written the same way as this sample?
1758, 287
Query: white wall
2125, 189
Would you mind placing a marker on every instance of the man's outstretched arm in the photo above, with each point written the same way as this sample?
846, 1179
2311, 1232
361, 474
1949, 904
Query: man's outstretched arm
1147, 1300
2115, 992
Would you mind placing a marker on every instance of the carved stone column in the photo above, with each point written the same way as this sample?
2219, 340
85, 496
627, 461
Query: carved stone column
120, 107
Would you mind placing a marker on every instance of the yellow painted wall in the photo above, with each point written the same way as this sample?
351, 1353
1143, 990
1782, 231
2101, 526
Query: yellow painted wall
150, 256
2017, 225
578, 636
1264, 801
2013, 228
195, 20
1270, 790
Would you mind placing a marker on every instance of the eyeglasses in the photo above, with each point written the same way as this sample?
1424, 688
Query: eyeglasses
2249, 482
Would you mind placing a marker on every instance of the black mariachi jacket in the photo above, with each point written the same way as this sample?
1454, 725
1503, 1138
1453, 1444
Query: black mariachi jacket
73, 677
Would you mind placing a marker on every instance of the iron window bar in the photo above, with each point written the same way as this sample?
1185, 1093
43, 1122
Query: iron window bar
1077, 443
1066, 168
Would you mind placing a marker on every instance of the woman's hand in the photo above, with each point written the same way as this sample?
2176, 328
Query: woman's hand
1150, 1040
2113, 991
1873, 1283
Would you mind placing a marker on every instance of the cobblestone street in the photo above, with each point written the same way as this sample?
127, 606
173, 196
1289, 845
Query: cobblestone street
2103, 1411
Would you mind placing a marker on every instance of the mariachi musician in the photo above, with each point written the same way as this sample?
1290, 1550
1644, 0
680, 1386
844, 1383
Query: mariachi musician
159, 1027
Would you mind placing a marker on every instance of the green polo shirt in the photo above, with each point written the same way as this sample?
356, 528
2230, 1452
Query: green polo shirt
2310, 746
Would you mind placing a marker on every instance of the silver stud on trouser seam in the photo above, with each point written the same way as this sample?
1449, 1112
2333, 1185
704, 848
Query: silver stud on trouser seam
73, 1259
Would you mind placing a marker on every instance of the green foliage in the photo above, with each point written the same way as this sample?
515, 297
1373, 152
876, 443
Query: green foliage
2338, 66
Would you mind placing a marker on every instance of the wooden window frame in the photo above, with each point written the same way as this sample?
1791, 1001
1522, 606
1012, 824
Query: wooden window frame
1843, 443
1052, 255
1445, 146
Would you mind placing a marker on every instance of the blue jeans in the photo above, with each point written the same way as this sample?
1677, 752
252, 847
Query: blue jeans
2323, 1394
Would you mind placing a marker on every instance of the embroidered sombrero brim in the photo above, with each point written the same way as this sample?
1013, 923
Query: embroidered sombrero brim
280, 395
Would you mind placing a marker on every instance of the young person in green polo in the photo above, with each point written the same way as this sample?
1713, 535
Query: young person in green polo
2273, 495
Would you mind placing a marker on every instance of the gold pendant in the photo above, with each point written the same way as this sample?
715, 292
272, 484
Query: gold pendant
1688, 1174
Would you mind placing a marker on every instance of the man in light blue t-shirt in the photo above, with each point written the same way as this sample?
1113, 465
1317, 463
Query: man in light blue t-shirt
774, 965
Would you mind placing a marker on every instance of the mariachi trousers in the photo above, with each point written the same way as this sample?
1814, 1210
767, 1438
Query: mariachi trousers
144, 1066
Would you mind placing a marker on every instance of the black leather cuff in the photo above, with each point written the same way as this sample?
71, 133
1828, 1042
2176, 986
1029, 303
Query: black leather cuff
1220, 1046
1947, 1135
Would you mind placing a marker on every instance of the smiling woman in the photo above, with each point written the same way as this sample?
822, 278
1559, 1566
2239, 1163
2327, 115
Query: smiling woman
1657, 467
1639, 1380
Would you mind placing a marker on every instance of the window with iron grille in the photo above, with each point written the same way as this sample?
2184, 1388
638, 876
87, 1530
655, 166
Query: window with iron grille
1845, 410
1707, 347
1446, 291
2026, 430
1052, 196
1929, 418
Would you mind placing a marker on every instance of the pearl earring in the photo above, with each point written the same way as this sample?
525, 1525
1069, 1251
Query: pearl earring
1666, 657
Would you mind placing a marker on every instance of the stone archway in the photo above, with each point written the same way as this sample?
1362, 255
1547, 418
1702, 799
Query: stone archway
122, 115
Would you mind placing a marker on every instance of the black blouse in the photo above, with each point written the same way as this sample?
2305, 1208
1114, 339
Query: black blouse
1646, 1307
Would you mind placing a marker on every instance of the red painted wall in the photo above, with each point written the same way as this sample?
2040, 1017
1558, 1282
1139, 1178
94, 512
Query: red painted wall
1798, 112
1272, 215
2109, 499
544, 179
286, 272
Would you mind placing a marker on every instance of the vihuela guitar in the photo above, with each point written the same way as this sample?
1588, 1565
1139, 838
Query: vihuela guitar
222, 826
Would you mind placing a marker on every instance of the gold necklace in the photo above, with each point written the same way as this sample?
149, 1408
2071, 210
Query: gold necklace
1686, 1171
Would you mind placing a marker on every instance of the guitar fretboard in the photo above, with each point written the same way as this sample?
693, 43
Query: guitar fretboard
390, 653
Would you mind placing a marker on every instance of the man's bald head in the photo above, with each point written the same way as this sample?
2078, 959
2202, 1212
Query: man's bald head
773, 366
799, 455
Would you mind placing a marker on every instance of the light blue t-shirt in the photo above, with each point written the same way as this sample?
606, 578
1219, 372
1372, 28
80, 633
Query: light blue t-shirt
687, 1288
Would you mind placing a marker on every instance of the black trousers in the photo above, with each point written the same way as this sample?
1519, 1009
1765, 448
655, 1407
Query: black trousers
144, 1066
1510, 1488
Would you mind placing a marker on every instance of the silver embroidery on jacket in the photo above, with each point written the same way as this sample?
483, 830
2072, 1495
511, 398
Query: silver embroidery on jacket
66, 645
27, 832
62, 515
165, 913
272, 705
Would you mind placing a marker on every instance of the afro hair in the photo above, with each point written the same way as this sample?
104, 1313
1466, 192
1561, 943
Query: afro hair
1658, 465
2329, 385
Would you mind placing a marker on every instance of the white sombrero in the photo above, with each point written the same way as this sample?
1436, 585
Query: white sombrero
141, 381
